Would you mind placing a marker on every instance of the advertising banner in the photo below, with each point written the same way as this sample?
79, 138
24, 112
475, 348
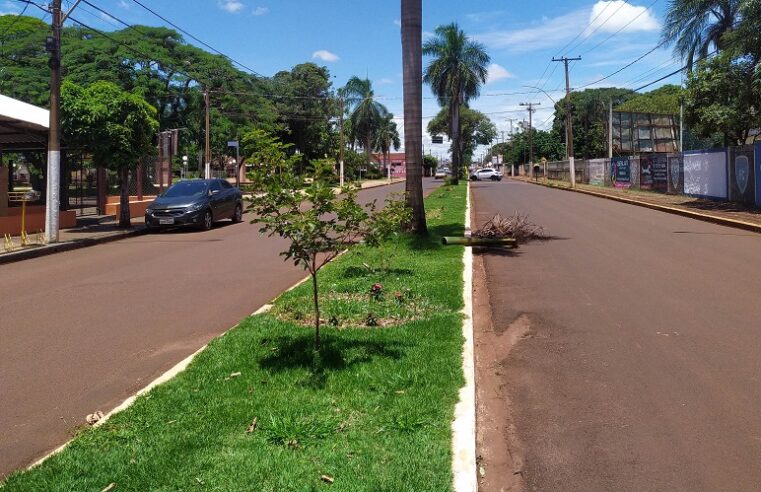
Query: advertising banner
675, 174
660, 173
742, 180
705, 173
646, 172
597, 172
621, 172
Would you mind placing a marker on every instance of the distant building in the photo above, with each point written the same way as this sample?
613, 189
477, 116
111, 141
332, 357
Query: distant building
397, 160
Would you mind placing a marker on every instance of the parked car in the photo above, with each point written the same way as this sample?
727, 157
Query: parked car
442, 173
486, 173
198, 202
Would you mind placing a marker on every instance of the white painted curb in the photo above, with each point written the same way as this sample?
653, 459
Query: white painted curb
464, 424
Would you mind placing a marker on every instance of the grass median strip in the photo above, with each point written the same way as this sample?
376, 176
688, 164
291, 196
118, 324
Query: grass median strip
257, 410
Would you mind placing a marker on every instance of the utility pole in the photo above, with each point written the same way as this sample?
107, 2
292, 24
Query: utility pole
341, 147
207, 153
531, 110
610, 129
53, 198
568, 124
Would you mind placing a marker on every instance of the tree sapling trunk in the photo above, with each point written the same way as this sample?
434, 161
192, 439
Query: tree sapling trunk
124, 215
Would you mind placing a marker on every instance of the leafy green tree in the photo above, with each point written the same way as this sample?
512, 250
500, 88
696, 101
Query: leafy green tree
458, 70
663, 100
24, 71
430, 163
475, 129
721, 97
386, 137
117, 127
589, 109
693, 26
305, 109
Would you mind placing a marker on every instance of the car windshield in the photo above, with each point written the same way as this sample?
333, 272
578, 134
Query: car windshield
187, 189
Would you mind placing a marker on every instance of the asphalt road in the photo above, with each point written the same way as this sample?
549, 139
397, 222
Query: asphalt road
83, 330
632, 346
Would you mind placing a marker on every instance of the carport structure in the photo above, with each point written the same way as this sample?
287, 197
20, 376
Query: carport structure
23, 128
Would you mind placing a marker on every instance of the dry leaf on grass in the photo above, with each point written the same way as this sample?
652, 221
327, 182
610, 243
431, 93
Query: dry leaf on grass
110, 486
327, 479
251, 428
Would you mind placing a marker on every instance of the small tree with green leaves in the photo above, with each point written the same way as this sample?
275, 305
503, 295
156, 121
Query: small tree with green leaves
319, 222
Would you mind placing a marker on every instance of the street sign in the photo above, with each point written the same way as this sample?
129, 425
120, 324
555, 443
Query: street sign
437, 139
232, 143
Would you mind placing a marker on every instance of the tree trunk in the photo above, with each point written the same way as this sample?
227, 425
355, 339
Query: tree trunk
316, 312
124, 216
456, 147
412, 65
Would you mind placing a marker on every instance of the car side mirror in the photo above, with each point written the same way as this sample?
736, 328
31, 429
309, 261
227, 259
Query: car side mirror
213, 192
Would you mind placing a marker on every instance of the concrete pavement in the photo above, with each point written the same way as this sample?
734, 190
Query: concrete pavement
626, 350
83, 330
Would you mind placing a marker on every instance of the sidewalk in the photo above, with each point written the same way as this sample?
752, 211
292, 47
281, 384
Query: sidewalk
89, 233
719, 212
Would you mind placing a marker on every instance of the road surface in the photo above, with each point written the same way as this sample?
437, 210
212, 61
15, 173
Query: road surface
83, 330
629, 347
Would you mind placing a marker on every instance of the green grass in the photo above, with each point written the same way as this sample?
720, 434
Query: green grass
373, 413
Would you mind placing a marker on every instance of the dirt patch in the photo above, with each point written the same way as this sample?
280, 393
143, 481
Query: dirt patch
499, 457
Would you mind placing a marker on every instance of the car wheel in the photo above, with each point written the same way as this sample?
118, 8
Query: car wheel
206, 221
493, 178
238, 214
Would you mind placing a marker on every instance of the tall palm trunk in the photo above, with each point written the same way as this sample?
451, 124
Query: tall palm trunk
412, 67
456, 146
124, 215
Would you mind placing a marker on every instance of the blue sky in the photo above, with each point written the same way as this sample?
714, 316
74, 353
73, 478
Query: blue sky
361, 37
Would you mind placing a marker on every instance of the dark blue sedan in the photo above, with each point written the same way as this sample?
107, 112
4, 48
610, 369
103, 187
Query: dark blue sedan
198, 202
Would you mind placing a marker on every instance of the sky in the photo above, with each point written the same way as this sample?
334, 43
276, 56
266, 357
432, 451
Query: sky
362, 37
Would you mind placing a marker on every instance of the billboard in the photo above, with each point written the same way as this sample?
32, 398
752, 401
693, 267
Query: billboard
597, 171
644, 132
705, 173
742, 181
621, 172
646, 172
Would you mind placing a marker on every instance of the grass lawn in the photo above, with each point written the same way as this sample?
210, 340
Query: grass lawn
373, 414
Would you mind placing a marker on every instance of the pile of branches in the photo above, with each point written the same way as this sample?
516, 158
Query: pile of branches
517, 227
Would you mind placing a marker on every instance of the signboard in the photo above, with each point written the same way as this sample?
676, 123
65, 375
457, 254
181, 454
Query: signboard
646, 172
620, 172
676, 174
232, 143
597, 172
705, 173
660, 173
742, 178
757, 172
437, 139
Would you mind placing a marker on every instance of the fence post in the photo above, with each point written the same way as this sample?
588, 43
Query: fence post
101, 184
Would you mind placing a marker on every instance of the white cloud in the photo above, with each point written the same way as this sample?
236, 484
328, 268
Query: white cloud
497, 72
385, 81
123, 4
614, 15
605, 16
260, 11
325, 55
231, 6
398, 23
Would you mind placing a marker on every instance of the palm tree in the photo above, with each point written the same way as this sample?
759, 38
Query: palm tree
385, 137
365, 113
456, 74
412, 69
693, 26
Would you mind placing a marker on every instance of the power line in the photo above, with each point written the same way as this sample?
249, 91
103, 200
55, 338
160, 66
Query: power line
624, 67
622, 27
16, 19
254, 72
607, 4
675, 71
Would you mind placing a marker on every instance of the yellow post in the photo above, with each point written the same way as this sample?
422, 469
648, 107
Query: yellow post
23, 223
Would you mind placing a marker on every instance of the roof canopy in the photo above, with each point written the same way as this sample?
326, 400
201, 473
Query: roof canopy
22, 126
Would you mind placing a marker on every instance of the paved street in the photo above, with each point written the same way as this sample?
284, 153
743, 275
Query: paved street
83, 330
628, 347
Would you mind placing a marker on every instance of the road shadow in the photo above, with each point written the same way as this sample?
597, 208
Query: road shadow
513, 252
717, 206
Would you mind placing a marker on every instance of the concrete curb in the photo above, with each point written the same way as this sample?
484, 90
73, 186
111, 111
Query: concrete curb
738, 224
464, 423
50, 249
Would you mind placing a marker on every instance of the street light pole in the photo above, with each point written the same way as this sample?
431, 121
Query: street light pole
207, 149
53, 201
531, 110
